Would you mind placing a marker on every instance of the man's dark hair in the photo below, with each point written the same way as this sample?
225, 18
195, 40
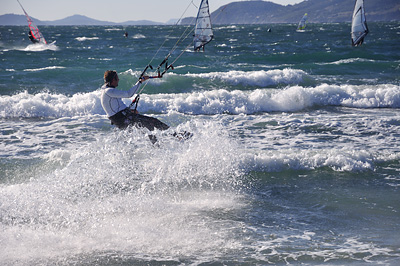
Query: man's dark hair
109, 76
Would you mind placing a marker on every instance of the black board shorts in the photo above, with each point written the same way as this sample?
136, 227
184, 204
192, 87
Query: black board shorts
127, 117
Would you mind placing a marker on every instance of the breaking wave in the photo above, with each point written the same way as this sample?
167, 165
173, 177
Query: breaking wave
290, 99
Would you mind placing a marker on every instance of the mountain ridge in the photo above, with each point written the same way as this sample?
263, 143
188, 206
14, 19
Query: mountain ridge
74, 20
251, 12
327, 11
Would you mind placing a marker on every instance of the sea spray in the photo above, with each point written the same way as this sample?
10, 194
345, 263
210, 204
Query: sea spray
122, 192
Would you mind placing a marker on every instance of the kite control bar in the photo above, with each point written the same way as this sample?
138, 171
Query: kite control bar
144, 71
164, 62
159, 75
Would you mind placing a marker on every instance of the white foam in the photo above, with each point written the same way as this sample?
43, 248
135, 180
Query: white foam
270, 250
347, 61
298, 159
256, 78
44, 68
122, 193
82, 39
227, 27
100, 59
38, 47
294, 98
45, 104
221, 101
119, 193
139, 36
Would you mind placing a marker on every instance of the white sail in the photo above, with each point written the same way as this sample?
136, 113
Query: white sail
359, 27
203, 32
302, 23
34, 34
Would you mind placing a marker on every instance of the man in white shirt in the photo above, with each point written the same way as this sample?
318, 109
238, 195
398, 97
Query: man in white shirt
119, 114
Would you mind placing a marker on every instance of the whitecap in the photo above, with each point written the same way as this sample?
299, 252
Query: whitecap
260, 78
347, 61
139, 36
43, 68
81, 39
38, 47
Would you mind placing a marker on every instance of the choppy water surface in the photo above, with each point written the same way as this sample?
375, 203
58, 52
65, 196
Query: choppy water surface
294, 157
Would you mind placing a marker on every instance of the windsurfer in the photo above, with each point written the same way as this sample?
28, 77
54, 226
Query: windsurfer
30, 35
203, 32
119, 114
202, 40
359, 28
199, 48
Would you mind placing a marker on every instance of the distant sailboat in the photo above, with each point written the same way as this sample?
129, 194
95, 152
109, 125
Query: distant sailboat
302, 24
203, 32
359, 28
34, 34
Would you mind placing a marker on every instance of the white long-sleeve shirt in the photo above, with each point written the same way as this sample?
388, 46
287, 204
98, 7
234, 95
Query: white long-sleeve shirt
111, 98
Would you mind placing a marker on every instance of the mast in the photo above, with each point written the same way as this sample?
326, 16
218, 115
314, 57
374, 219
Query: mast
359, 28
203, 32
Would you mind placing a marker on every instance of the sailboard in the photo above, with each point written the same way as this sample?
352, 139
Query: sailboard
359, 28
34, 34
203, 32
302, 24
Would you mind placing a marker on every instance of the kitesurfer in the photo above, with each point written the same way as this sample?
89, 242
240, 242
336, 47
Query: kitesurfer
119, 114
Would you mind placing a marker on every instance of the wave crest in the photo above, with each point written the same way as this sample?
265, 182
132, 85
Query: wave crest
259, 78
290, 99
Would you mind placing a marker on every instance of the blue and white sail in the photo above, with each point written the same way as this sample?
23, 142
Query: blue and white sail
302, 24
203, 32
359, 28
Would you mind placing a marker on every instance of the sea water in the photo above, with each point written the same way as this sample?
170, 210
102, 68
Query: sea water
294, 157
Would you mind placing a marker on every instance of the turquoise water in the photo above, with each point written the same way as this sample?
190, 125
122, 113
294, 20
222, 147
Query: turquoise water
294, 158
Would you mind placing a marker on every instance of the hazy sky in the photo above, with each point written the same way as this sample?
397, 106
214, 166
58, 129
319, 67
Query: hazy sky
114, 10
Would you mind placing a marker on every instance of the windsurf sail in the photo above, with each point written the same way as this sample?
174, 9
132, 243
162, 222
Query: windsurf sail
302, 23
359, 28
203, 32
34, 34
